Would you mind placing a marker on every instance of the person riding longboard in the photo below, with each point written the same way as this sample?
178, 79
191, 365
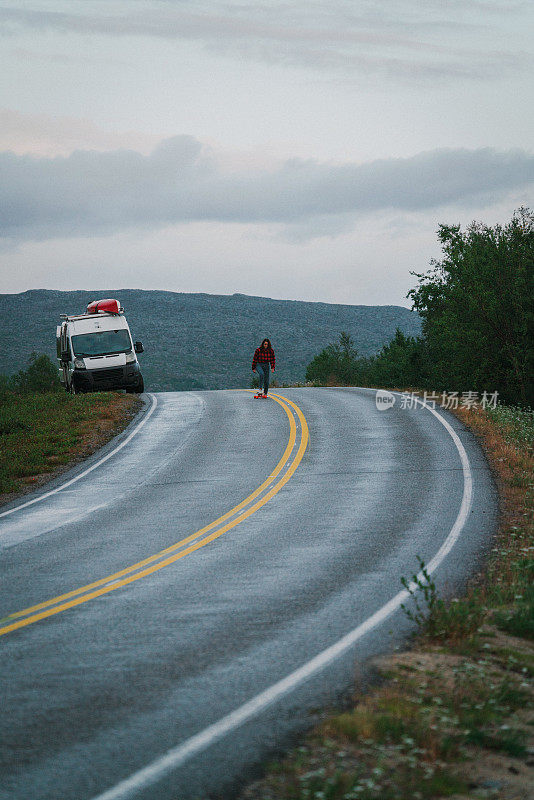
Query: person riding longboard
263, 357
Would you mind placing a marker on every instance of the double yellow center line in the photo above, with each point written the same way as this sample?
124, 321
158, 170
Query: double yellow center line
275, 481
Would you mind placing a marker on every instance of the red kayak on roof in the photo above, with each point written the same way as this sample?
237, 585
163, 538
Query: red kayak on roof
109, 306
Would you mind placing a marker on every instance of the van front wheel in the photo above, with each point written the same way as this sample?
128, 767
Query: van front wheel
139, 389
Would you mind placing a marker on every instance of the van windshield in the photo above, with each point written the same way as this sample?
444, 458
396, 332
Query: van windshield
102, 343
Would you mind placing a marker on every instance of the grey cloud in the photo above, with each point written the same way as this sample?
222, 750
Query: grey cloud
397, 40
93, 192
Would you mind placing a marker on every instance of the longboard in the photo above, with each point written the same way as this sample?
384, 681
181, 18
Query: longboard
259, 396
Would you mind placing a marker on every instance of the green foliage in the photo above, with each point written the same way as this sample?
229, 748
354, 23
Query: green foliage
400, 363
437, 619
41, 376
478, 319
5, 384
510, 742
424, 596
516, 424
336, 364
481, 703
477, 309
519, 620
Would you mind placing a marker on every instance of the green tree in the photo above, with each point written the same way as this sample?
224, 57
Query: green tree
41, 376
401, 363
336, 364
477, 308
5, 384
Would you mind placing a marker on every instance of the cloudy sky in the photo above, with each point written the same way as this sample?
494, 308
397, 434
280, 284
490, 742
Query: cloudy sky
286, 148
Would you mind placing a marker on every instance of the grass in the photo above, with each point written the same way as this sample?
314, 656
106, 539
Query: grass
456, 621
41, 433
517, 621
516, 426
458, 707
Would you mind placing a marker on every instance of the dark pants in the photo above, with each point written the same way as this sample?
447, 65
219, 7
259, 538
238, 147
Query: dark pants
263, 374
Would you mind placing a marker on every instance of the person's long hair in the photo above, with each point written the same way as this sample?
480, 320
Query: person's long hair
269, 345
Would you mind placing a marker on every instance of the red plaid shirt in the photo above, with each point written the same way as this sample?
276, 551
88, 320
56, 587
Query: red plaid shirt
263, 356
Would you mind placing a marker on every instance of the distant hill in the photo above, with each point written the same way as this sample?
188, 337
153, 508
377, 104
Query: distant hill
202, 341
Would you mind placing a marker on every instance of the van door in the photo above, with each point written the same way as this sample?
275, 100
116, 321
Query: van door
66, 365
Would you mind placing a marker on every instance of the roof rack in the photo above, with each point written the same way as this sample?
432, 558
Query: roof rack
73, 317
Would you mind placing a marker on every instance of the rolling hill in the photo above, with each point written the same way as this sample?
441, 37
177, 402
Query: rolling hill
202, 341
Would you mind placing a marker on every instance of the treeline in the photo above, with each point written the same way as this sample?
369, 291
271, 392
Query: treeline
477, 310
40, 376
401, 363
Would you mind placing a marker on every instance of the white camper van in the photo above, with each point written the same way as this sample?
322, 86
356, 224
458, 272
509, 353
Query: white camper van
95, 350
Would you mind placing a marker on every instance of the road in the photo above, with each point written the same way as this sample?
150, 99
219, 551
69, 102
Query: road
175, 610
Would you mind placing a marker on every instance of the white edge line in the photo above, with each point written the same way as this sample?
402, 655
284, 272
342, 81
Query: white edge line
89, 469
201, 741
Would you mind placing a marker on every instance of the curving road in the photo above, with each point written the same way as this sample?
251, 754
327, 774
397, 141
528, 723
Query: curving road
174, 610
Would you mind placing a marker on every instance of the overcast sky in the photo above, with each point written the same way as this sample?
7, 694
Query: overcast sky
302, 150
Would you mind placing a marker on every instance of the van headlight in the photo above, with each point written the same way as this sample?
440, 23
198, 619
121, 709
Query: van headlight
130, 357
79, 363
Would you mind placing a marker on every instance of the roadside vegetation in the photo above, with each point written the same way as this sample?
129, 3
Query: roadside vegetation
477, 311
43, 429
454, 715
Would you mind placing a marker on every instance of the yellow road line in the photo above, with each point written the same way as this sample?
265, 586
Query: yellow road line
177, 545
44, 610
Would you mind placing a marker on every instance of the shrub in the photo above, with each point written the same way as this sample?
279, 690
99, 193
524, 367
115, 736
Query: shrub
41, 376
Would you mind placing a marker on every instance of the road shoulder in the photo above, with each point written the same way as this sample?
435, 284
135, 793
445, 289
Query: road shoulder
99, 437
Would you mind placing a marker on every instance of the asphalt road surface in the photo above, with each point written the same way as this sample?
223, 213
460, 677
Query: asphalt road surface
177, 609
